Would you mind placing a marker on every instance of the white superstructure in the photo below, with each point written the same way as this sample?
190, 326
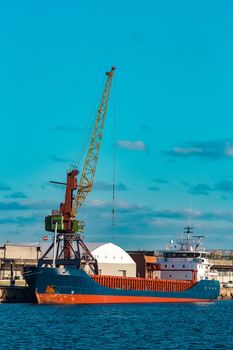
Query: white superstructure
185, 260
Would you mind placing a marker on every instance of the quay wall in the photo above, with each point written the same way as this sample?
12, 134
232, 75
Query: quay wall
226, 293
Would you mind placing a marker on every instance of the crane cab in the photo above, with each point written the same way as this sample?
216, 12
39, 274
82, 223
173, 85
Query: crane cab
51, 220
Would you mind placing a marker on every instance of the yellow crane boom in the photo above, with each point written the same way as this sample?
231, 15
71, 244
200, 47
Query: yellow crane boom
88, 173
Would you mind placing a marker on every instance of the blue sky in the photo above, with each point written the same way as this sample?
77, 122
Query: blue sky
171, 102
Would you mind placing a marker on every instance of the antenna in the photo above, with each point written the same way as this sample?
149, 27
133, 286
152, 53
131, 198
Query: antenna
188, 230
113, 204
114, 160
199, 241
190, 213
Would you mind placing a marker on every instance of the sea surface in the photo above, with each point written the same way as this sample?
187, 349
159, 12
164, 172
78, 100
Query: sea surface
203, 326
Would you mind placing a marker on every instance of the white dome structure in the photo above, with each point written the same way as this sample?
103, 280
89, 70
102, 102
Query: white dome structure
111, 253
114, 261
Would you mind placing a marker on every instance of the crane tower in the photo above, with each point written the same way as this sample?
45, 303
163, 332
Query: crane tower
64, 221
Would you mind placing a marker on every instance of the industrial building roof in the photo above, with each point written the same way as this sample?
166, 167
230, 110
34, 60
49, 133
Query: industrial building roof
150, 259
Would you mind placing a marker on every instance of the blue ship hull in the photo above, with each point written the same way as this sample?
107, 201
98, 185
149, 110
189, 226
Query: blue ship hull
73, 286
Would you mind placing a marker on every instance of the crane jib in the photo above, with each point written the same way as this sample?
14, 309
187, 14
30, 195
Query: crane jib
64, 217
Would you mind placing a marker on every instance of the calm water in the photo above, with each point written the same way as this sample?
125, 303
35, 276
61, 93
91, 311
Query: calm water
151, 326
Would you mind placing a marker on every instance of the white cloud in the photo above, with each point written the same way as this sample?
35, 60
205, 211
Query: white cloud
208, 149
187, 150
132, 145
96, 203
104, 186
229, 150
126, 205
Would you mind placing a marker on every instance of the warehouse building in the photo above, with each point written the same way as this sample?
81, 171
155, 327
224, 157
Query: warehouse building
13, 258
224, 269
146, 263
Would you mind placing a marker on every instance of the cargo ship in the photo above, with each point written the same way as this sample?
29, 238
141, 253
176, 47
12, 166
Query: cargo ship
67, 285
67, 282
71, 275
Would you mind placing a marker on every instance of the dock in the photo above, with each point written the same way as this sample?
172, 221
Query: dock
16, 294
226, 293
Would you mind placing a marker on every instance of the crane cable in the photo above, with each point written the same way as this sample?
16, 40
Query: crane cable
114, 157
88, 172
88, 131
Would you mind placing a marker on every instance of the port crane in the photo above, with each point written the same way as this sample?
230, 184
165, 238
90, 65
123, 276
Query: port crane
63, 222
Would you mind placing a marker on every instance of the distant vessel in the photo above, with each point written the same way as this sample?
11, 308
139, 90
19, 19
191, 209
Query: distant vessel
184, 273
